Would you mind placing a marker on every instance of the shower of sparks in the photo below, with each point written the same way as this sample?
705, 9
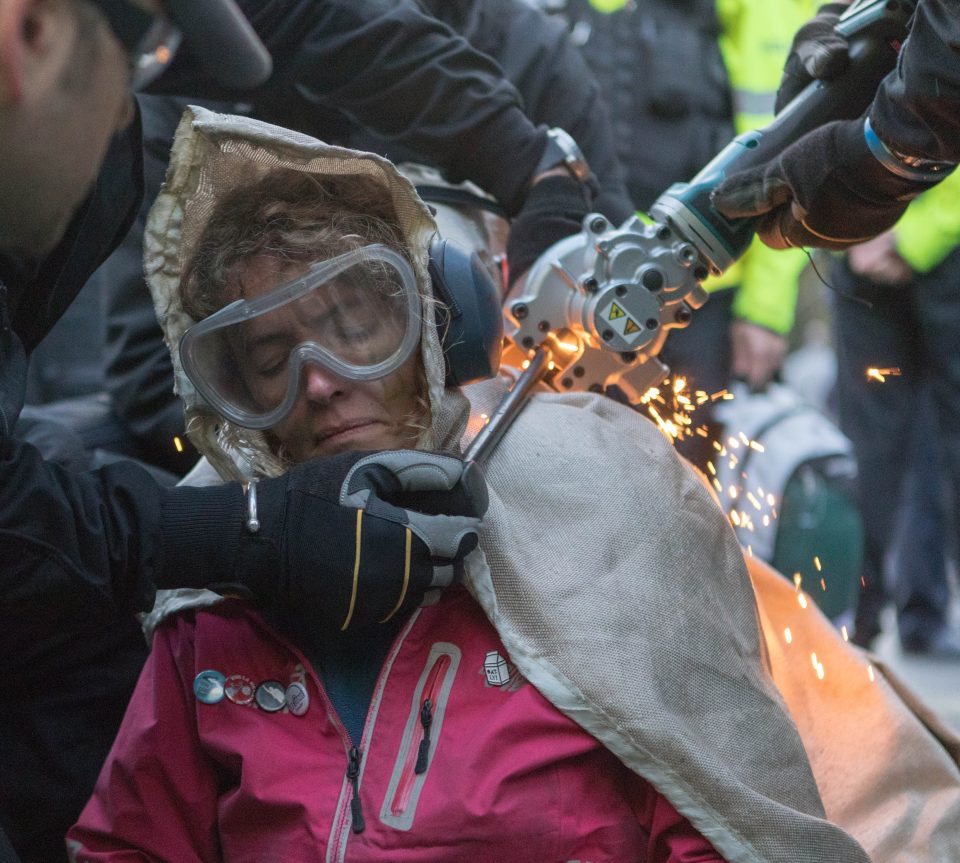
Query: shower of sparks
802, 599
817, 564
880, 375
672, 405
178, 443
844, 634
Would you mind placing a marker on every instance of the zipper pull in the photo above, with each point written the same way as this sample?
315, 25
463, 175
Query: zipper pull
423, 752
353, 774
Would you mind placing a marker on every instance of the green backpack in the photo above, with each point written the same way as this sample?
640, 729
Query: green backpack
786, 478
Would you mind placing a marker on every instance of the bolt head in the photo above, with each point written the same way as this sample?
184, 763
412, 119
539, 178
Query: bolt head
653, 280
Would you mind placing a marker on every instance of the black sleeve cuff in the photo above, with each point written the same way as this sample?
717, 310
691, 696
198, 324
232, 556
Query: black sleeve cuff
200, 531
503, 160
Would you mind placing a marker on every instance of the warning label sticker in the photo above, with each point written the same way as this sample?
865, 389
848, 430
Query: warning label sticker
623, 323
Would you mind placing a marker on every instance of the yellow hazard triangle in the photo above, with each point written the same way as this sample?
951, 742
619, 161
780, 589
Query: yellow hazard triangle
631, 327
616, 312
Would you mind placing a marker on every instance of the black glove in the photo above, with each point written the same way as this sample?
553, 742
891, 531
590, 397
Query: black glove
553, 210
13, 370
343, 542
826, 190
817, 52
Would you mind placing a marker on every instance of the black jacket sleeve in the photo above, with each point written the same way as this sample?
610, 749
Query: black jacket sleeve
392, 68
917, 108
558, 88
70, 541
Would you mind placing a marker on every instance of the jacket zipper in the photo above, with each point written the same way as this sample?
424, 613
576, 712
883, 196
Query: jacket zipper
416, 759
423, 751
356, 822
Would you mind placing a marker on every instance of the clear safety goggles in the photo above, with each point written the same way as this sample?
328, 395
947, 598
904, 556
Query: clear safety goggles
357, 315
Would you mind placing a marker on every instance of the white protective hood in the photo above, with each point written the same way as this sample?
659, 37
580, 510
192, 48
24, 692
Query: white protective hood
607, 568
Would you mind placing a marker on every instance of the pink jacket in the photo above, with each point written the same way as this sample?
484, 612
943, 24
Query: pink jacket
460, 760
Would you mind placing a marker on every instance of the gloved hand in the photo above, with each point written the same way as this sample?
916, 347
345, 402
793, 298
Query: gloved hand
826, 189
343, 542
817, 52
554, 209
13, 370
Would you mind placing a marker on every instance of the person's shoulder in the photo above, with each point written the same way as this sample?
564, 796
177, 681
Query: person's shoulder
187, 615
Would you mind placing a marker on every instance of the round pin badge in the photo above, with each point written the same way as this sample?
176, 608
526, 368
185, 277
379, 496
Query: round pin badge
239, 689
298, 699
208, 686
270, 696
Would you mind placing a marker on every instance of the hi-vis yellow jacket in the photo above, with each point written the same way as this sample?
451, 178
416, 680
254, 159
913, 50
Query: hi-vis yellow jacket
930, 228
754, 40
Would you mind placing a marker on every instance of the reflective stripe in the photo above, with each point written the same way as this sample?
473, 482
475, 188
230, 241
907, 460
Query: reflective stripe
753, 102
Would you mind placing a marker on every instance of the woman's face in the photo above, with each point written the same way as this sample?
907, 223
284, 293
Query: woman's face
331, 414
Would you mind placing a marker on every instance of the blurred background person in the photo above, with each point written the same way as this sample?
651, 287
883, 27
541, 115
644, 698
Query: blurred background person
681, 78
905, 315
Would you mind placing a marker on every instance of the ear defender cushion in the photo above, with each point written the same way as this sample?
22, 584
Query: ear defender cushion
469, 317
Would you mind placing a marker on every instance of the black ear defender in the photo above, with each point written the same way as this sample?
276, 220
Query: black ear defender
469, 317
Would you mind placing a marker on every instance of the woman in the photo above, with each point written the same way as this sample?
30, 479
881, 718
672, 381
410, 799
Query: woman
420, 738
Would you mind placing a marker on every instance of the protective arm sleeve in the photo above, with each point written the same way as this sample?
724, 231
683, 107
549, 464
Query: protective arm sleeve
917, 108
930, 228
391, 68
156, 797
